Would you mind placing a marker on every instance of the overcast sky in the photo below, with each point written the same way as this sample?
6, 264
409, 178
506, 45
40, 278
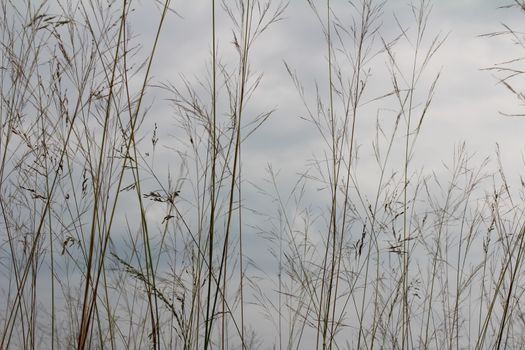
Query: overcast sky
466, 105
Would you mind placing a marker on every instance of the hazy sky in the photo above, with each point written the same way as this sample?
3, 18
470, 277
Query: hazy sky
466, 105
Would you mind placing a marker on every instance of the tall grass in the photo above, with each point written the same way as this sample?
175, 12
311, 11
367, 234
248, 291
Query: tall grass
102, 248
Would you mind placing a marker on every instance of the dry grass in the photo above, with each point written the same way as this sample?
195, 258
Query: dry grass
101, 248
